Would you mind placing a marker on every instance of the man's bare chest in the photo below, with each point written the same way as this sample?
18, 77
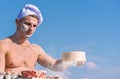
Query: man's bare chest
18, 56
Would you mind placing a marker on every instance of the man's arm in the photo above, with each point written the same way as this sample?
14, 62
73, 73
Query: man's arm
3, 49
49, 62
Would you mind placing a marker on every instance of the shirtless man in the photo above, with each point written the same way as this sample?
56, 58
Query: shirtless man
17, 53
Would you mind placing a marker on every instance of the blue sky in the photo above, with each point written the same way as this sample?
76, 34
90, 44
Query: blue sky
74, 25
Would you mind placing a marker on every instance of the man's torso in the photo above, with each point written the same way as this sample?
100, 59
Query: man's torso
19, 58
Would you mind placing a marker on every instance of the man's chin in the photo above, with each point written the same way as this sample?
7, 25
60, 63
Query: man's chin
28, 36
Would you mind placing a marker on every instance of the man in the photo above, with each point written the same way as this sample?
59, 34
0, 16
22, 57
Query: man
17, 53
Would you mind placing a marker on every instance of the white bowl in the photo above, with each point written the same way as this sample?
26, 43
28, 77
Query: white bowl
78, 57
1, 76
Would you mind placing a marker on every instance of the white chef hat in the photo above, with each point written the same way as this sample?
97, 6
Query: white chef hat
30, 9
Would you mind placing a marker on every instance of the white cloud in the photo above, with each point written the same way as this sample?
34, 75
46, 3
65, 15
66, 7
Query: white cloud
91, 65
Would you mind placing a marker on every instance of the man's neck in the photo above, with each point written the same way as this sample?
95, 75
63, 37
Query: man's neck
19, 40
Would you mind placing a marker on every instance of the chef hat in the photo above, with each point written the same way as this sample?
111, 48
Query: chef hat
30, 9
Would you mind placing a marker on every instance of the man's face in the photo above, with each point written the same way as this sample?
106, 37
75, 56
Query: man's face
27, 26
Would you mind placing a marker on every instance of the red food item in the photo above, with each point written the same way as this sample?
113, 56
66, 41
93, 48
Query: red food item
32, 73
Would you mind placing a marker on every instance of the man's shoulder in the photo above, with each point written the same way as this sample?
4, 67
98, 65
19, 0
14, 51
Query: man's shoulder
4, 44
35, 45
5, 41
37, 48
